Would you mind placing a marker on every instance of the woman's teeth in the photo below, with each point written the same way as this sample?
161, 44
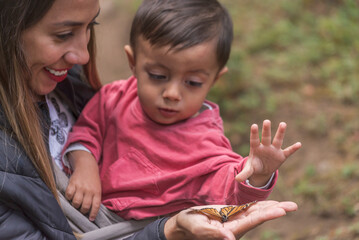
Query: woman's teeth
56, 73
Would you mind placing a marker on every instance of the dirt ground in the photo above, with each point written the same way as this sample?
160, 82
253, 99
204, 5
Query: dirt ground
112, 35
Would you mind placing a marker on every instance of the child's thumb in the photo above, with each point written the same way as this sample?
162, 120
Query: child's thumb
246, 172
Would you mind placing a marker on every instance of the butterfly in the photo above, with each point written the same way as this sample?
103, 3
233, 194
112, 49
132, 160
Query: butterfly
225, 213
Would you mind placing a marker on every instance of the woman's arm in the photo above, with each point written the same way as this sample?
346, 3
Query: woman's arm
186, 225
191, 226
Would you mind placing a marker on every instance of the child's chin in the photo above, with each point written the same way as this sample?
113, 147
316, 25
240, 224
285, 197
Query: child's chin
166, 121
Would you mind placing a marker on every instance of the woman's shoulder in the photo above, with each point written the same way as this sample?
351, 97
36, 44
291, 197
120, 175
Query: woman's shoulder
13, 159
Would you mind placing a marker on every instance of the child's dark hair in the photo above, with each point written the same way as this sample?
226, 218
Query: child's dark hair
182, 24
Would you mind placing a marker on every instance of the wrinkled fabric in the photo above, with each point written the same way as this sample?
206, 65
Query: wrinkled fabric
28, 209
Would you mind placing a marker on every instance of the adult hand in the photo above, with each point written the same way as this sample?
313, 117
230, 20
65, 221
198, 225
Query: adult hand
265, 156
188, 225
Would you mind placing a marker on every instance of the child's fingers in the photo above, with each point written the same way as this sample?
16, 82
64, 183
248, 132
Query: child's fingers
291, 149
254, 136
70, 192
266, 133
77, 199
96, 201
86, 203
279, 136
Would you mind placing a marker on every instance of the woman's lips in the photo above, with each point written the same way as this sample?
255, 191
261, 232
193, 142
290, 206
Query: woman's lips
56, 75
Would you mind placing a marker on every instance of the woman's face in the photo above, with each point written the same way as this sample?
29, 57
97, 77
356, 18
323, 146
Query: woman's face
58, 41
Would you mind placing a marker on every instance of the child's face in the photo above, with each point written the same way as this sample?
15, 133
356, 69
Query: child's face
172, 85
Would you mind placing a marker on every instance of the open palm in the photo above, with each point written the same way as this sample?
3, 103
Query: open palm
265, 155
197, 226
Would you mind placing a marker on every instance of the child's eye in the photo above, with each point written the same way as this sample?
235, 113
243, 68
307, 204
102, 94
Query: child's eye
194, 83
156, 76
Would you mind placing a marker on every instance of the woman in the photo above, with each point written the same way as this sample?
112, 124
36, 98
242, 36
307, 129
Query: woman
40, 40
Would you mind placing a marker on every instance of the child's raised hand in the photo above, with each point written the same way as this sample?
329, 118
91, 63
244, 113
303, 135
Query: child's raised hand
265, 156
84, 188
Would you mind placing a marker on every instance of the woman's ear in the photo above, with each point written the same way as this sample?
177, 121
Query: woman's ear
130, 58
220, 74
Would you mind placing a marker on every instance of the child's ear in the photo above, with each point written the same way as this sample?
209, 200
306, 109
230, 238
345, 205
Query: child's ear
220, 74
130, 58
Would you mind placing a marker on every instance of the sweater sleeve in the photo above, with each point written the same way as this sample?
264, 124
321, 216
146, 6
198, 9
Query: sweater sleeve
90, 127
250, 193
220, 186
153, 231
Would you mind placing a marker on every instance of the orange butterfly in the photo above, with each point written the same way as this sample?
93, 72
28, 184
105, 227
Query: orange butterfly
225, 213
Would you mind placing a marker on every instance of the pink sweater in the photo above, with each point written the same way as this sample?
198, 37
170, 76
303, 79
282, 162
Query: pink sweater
149, 169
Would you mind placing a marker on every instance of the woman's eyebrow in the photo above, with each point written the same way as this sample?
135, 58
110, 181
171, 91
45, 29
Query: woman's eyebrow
74, 23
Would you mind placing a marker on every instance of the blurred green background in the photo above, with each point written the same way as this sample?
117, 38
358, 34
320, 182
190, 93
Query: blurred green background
295, 61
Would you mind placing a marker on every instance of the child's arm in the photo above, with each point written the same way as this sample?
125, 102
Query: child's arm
265, 156
84, 188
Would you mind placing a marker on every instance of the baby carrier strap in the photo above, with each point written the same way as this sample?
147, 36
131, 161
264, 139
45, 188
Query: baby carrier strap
107, 224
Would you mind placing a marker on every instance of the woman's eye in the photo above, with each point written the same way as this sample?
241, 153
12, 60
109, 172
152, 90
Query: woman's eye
64, 36
92, 24
194, 83
156, 76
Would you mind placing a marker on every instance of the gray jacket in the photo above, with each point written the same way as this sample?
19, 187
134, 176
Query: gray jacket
28, 209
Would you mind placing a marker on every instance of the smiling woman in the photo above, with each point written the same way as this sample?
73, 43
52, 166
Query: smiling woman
34, 57
58, 42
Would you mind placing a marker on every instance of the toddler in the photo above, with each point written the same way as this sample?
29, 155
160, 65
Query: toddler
153, 143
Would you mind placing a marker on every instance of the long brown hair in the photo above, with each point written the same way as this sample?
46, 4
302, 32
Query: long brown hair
15, 94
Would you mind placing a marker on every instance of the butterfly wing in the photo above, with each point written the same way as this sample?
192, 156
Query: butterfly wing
229, 211
211, 213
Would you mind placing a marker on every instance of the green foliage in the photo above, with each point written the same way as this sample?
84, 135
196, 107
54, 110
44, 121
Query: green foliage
308, 189
317, 126
310, 171
279, 47
350, 171
321, 238
270, 235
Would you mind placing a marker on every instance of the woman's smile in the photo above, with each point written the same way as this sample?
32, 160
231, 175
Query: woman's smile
57, 75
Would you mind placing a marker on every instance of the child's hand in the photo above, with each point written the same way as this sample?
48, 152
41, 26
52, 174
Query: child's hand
84, 188
265, 157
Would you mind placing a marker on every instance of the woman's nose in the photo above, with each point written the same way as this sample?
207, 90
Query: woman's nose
79, 53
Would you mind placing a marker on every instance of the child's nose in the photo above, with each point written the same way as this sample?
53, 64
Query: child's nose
172, 92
